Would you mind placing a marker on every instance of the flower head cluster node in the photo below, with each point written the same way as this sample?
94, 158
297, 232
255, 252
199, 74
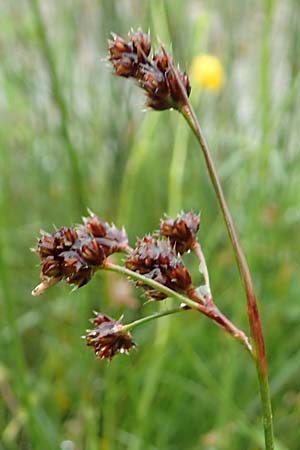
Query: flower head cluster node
182, 231
109, 337
154, 74
156, 260
74, 254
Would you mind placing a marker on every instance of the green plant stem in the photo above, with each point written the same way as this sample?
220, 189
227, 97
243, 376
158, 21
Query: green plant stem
166, 312
211, 310
62, 108
138, 154
265, 87
252, 308
196, 247
177, 167
153, 284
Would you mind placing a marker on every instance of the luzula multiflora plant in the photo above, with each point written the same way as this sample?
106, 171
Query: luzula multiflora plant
155, 264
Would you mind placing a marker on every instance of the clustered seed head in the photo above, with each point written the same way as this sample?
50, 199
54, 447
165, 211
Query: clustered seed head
156, 260
109, 337
74, 254
181, 231
155, 75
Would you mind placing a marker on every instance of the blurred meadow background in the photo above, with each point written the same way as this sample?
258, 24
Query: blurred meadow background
73, 136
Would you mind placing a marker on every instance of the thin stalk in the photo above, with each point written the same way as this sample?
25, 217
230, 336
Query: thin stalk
137, 157
203, 266
252, 308
177, 168
166, 312
154, 284
58, 97
198, 304
138, 154
265, 86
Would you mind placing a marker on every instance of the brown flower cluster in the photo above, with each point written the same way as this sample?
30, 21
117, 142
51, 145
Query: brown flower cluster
109, 337
181, 231
155, 74
74, 254
156, 260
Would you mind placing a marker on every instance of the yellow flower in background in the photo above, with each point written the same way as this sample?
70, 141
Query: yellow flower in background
207, 72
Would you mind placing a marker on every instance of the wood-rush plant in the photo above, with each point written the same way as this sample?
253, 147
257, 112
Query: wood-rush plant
155, 263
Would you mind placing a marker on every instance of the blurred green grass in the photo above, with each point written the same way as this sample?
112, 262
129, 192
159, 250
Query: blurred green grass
73, 136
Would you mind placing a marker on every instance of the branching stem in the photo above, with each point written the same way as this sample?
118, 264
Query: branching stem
167, 312
197, 303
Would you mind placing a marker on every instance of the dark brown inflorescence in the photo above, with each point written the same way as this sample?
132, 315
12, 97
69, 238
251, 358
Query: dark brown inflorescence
155, 74
109, 337
181, 231
156, 260
74, 254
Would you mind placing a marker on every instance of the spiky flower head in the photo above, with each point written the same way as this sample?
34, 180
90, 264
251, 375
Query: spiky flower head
156, 74
156, 260
109, 237
74, 254
109, 337
182, 231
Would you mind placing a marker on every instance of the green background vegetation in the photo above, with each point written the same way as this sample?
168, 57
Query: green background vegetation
73, 136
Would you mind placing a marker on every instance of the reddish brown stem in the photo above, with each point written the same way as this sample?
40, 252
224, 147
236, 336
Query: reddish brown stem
252, 308
193, 300
210, 310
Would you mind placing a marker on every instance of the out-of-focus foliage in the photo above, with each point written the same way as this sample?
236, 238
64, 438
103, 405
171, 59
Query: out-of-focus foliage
73, 136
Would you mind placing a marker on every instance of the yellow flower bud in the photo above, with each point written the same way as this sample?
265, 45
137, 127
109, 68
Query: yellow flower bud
207, 72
